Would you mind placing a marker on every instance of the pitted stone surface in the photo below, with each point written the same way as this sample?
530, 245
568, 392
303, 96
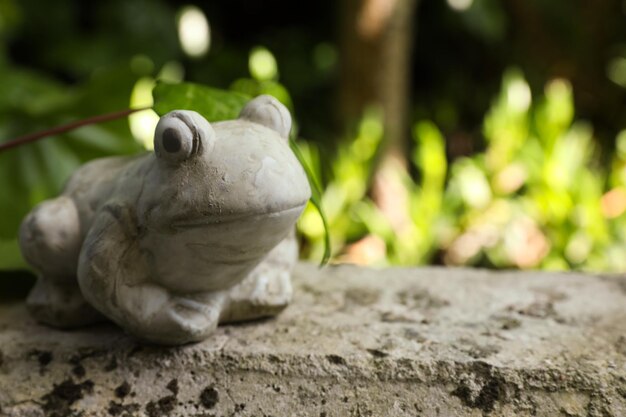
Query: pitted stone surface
355, 342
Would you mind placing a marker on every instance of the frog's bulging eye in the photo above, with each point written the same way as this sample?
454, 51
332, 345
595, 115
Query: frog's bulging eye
171, 140
177, 137
174, 139
180, 135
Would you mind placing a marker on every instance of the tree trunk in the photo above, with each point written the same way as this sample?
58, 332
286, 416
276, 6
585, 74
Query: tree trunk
376, 41
376, 44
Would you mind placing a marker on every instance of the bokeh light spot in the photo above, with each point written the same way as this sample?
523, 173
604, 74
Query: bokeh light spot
518, 95
613, 203
262, 64
620, 143
325, 56
460, 5
194, 31
616, 71
143, 123
142, 65
172, 72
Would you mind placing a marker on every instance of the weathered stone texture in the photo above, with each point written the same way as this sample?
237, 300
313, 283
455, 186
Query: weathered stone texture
355, 342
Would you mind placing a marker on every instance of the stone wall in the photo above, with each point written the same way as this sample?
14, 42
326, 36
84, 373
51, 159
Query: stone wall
355, 342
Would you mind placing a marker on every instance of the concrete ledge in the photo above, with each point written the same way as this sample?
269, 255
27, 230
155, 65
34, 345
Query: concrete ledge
355, 342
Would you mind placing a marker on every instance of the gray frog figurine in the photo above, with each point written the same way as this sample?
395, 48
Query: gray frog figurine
169, 244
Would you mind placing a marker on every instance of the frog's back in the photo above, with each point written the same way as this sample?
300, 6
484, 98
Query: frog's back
95, 182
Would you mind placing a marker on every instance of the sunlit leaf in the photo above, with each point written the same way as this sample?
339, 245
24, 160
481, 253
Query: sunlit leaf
316, 199
253, 88
212, 103
430, 155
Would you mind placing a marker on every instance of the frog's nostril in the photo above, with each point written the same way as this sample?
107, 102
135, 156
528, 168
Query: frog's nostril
171, 140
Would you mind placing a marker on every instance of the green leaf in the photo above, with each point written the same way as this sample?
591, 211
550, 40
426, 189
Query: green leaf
253, 88
32, 94
316, 199
212, 103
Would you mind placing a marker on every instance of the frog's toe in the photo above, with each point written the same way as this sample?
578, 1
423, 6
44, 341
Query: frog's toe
195, 324
177, 324
263, 294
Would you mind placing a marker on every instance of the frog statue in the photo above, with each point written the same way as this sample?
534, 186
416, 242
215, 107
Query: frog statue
173, 242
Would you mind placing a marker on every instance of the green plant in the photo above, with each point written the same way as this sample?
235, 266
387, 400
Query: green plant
536, 197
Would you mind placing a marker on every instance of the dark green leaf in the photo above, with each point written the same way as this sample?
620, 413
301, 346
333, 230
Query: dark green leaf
212, 103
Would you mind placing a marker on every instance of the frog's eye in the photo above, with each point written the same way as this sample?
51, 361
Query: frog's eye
180, 135
269, 112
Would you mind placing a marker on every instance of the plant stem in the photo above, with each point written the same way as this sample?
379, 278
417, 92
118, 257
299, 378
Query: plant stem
32, 137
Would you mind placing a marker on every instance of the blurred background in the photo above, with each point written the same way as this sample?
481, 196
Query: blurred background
454, 132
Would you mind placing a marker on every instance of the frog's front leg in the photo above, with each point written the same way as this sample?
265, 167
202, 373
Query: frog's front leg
267, 290
114, 276
50, 240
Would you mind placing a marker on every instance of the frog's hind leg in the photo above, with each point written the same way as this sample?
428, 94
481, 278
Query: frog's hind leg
50, 240
267, 290
60, 304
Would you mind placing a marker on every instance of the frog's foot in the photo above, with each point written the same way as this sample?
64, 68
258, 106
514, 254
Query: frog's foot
264, 293
195, 318
60, 304
154, 314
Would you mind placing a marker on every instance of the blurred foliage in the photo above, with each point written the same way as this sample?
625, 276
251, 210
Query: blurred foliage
519, 181
462, 48
83, 69
536, 197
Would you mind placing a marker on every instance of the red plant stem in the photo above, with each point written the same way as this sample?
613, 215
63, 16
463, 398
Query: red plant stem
32, 137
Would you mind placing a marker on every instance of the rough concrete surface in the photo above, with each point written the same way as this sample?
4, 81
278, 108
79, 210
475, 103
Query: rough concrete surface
355, 342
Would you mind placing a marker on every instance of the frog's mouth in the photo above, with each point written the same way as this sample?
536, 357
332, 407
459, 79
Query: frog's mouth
227, 218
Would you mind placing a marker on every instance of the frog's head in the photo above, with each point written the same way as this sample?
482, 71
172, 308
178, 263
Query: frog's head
232, 186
